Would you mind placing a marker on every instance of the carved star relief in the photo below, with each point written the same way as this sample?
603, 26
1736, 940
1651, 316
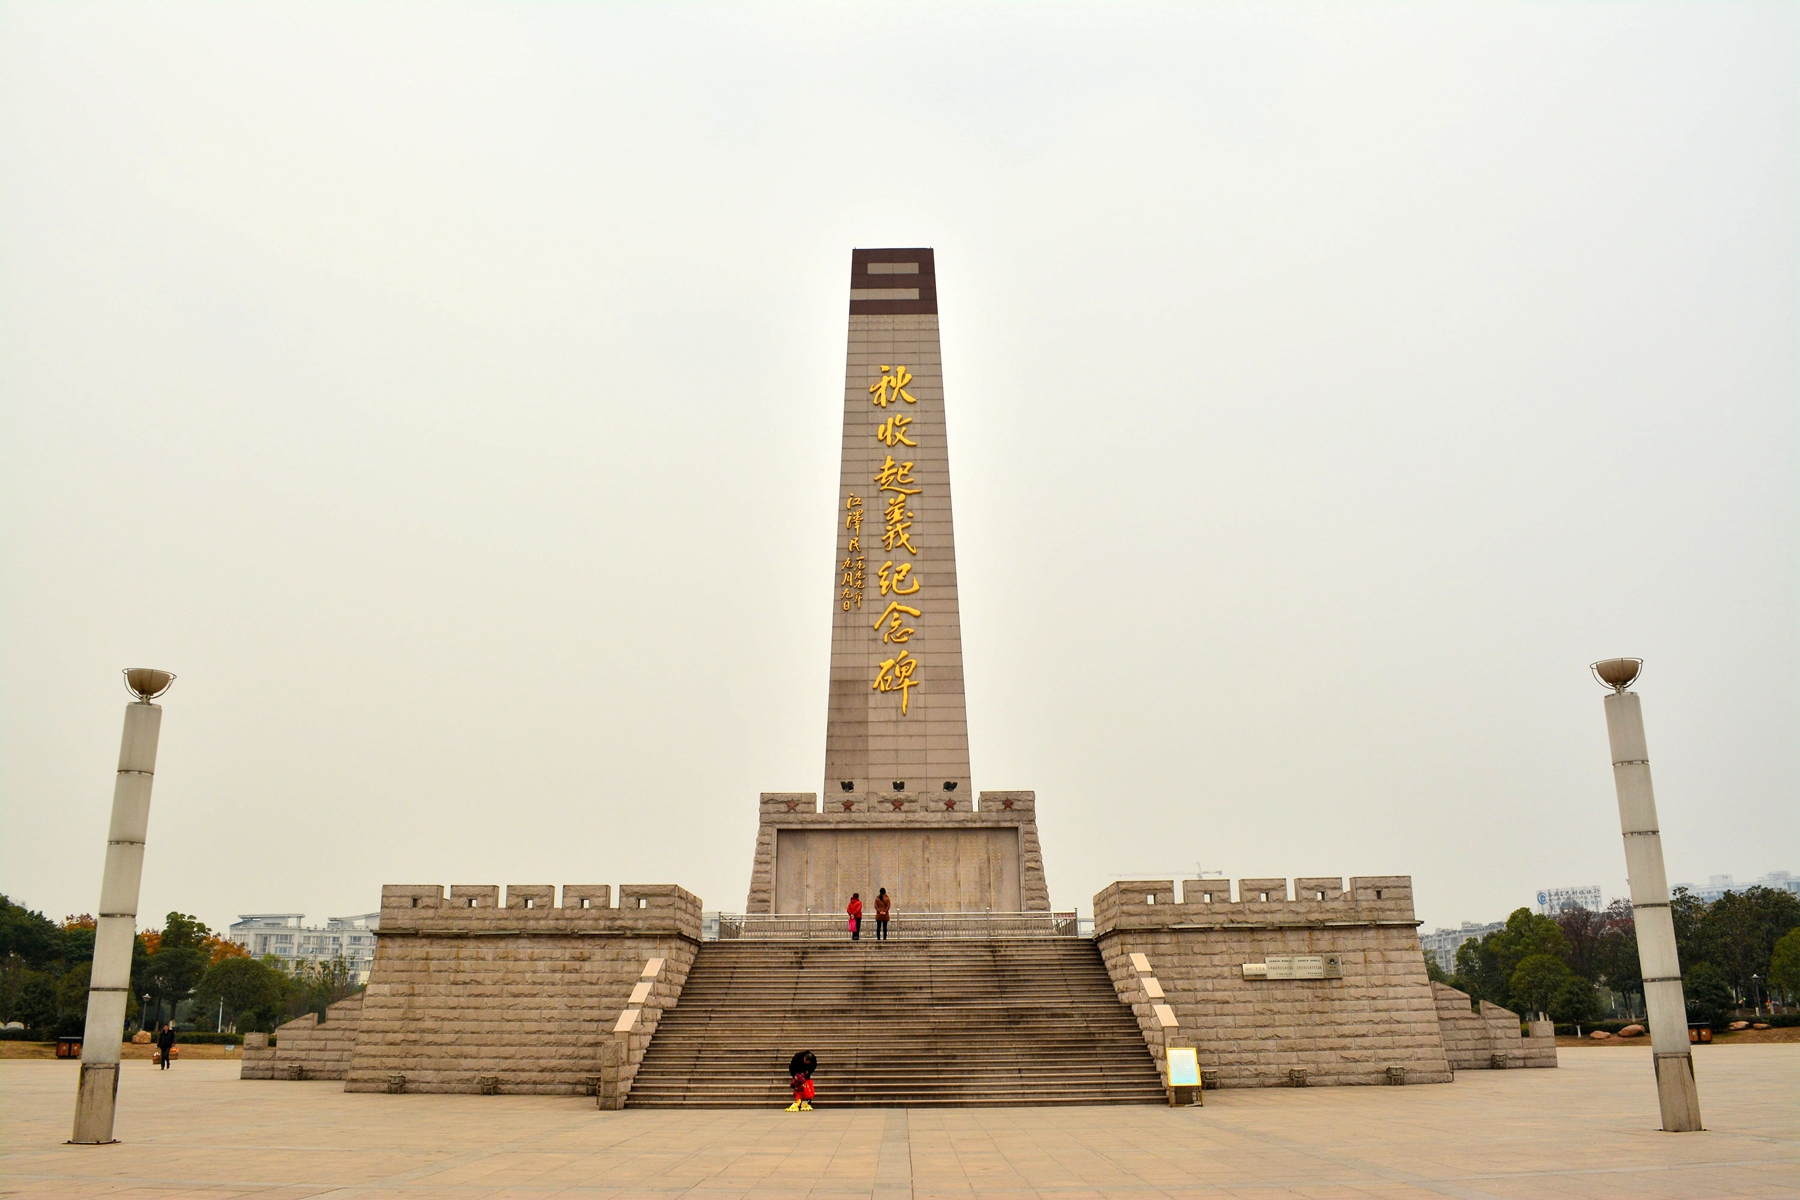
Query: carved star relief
1006, 804
793, 806
949, 806
849, 804
899, 804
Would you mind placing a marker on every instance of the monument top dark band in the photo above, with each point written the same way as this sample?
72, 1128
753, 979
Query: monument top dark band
893, 282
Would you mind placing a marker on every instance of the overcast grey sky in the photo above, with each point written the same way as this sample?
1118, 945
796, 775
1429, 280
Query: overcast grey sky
450, 395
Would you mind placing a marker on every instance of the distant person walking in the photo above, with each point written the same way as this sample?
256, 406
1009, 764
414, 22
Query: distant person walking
800, 1072
883, 906
165, 1042
855, 911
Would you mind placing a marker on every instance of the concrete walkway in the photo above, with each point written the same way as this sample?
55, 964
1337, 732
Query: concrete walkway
1584, 1130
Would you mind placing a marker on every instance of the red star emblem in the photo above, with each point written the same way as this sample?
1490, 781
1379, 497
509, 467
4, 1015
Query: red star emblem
1006, 804
899, 804
849, 804
949, 806
793, 806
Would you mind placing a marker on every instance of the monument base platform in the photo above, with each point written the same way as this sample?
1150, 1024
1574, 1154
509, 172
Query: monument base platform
1323, 986
932, 851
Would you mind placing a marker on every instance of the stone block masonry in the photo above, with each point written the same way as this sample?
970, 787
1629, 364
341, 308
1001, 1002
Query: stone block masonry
1180, 965
1485, 1037
525, 995
934, 851
306, 1048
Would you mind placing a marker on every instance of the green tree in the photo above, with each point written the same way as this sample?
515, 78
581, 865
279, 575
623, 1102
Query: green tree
255, 994
30, 936
1585, 931
1485, 969
1479, 973
1575, 1002
1687, 911
1784, 965
1528, 933
1738, 931
1536, 981
170, 974
1434, 971
36, 1006
13, 974
72, 993
183, 932
78, 943
1616, 957
1708, 994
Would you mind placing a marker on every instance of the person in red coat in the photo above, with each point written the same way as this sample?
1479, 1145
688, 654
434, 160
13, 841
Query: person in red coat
855, 911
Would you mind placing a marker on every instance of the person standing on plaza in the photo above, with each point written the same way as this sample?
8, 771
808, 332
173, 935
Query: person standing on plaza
165, 1043
800, 1073
883, 906
855, 911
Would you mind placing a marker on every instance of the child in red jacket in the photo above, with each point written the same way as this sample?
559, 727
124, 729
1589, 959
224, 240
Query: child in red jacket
800, 1069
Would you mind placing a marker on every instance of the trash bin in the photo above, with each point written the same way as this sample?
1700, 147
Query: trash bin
68, 1047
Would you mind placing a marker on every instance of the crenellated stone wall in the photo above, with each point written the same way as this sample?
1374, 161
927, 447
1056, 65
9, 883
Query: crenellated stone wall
306, 1048
945, 852
468, 995
1485, 1036
1179, 963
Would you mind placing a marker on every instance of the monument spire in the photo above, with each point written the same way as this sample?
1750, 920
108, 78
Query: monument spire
897, 719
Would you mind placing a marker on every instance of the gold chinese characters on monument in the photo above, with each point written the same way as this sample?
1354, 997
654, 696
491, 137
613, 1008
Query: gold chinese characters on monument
895, 486
851, 578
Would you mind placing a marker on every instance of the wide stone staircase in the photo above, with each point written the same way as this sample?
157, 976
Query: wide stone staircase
899, 1024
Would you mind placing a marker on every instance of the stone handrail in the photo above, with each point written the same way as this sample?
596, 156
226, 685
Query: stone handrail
826, 926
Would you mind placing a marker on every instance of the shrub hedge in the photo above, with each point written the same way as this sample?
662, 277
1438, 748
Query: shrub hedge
1781, 1021
181, 1039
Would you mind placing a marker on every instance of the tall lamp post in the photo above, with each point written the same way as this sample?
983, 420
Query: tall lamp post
1661, 968
110, 984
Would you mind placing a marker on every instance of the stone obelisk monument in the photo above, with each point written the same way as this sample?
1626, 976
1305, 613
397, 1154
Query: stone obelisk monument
897, 811
897, 720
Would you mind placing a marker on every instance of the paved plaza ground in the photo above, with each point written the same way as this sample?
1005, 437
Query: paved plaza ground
1587, 1129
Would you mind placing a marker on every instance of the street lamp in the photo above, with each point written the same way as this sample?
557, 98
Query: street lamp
98, 1093
1676, 1092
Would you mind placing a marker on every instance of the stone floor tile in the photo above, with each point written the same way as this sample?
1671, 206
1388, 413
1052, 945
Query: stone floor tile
1586, 1131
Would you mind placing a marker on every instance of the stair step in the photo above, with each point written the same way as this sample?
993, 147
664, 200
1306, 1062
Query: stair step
927, 1023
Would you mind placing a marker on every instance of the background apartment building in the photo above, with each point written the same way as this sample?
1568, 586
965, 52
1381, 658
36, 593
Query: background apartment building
283, 936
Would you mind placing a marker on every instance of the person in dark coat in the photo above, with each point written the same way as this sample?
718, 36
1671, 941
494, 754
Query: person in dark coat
883, 906
800, 1071
165, 1042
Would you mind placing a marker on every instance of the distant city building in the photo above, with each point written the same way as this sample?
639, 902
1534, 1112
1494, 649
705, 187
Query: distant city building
1443, 944
1717, 885
283, 936
1551, 901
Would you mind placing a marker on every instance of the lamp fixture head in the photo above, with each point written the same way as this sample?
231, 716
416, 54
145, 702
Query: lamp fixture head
1617, 673
147, 683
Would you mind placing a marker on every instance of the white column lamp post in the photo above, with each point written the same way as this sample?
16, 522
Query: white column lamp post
1661, 968
110, 985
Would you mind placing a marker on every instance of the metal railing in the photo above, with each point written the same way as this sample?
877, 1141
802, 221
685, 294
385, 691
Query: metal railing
913, 926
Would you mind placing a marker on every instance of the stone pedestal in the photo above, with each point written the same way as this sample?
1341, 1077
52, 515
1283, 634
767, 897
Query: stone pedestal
932, 851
